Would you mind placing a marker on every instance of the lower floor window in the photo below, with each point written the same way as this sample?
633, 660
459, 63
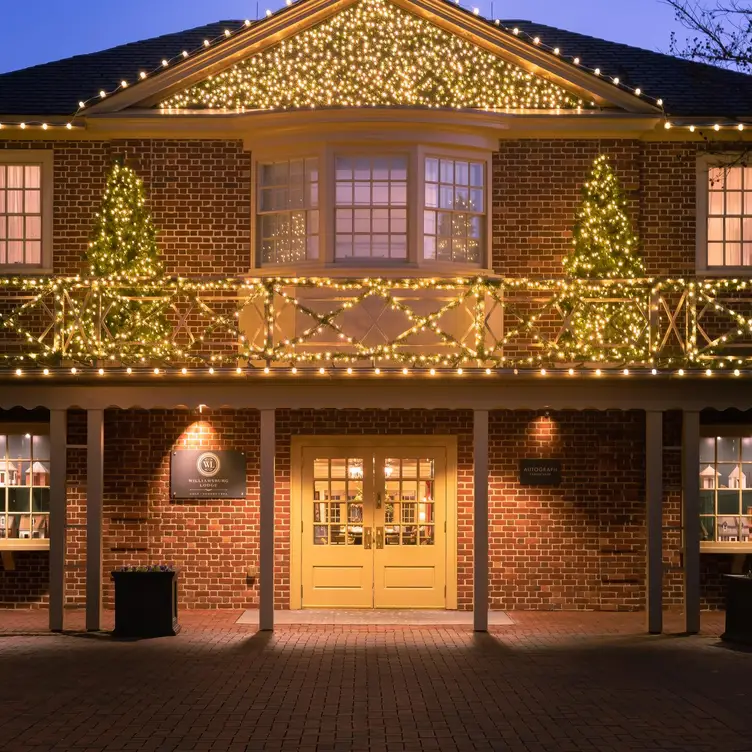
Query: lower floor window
725, 488
24, 486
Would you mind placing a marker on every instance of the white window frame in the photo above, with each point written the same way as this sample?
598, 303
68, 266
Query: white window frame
414, 264
45, 159
704, 164
25, 544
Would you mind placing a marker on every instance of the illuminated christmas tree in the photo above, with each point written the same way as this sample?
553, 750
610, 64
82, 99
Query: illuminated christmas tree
124, 318
604, 322
604, 243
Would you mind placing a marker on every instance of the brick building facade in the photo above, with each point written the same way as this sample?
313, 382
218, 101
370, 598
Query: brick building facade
623, 440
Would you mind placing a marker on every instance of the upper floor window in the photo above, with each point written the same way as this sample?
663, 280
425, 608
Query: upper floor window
408, 207
288, 217
25, 211
454, 210
371, 208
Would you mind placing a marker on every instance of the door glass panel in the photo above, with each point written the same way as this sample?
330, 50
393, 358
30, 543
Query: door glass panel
338, 502
409, 516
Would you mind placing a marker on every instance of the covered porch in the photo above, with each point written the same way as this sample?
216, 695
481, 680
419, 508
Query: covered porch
477, 397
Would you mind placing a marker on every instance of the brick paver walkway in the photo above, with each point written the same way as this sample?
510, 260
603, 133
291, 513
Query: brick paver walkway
550, 682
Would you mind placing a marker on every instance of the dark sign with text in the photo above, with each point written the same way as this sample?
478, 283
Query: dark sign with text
205, 474
540, 472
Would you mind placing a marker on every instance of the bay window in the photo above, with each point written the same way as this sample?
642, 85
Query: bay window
370, 208
288, 217
454, 210
408, 207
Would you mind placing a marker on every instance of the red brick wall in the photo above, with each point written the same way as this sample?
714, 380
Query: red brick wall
198, 192
200, 196
536, 192
214, 542
580, 545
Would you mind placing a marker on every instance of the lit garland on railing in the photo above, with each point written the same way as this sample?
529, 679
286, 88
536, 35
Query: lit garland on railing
374, 53
687, 324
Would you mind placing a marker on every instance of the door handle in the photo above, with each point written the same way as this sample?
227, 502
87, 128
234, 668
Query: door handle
379, 537
367, 537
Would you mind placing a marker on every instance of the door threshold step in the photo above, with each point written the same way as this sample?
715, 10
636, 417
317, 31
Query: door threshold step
375, 617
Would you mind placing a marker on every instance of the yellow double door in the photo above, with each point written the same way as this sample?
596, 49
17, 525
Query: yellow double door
373, 527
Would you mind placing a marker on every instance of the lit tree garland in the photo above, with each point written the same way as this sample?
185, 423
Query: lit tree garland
374, 53
604, 248
124, 316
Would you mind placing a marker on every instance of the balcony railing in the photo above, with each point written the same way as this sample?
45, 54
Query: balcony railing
499, 323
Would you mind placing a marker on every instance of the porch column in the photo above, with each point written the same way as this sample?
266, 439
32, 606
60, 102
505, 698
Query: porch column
58, 472
654, 503
266, 521
94, 492
691, 518
480, 520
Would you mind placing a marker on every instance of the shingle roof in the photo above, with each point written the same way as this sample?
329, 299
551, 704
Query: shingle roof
56, 88
687, 88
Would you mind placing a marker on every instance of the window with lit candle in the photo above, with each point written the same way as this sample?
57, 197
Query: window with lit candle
287, 211
454, 210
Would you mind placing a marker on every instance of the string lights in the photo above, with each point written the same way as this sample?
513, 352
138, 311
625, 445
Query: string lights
374, 53
533, 40
682, 325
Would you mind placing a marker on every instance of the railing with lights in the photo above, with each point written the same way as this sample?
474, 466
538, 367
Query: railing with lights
357, 323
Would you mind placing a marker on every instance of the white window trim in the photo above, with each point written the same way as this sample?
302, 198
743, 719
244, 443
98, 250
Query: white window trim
24, 544
704, 163
415, 264
45, 159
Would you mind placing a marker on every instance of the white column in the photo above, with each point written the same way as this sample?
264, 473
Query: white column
58, 472
480, 520
654, 505
691, 518
266, 521
94, 493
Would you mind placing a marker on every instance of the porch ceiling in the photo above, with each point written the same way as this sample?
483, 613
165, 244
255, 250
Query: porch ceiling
467, 391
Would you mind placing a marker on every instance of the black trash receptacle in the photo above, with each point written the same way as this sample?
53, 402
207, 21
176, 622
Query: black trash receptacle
146, 603
738, 608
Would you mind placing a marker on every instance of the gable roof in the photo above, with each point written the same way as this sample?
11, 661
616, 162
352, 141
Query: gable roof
687, 88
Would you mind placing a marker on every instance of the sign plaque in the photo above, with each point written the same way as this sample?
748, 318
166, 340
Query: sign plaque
207, 474
540, 472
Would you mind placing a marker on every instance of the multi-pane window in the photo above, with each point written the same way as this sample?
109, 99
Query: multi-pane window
338, 502
287, 216
370, 207
409, 518
454, 210
24, 485
20, 215
725, 488
729, 216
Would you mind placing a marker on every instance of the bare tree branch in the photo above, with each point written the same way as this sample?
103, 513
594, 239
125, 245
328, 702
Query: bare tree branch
720, 32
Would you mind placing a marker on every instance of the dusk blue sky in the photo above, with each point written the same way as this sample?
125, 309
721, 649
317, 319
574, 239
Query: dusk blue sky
45, 30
